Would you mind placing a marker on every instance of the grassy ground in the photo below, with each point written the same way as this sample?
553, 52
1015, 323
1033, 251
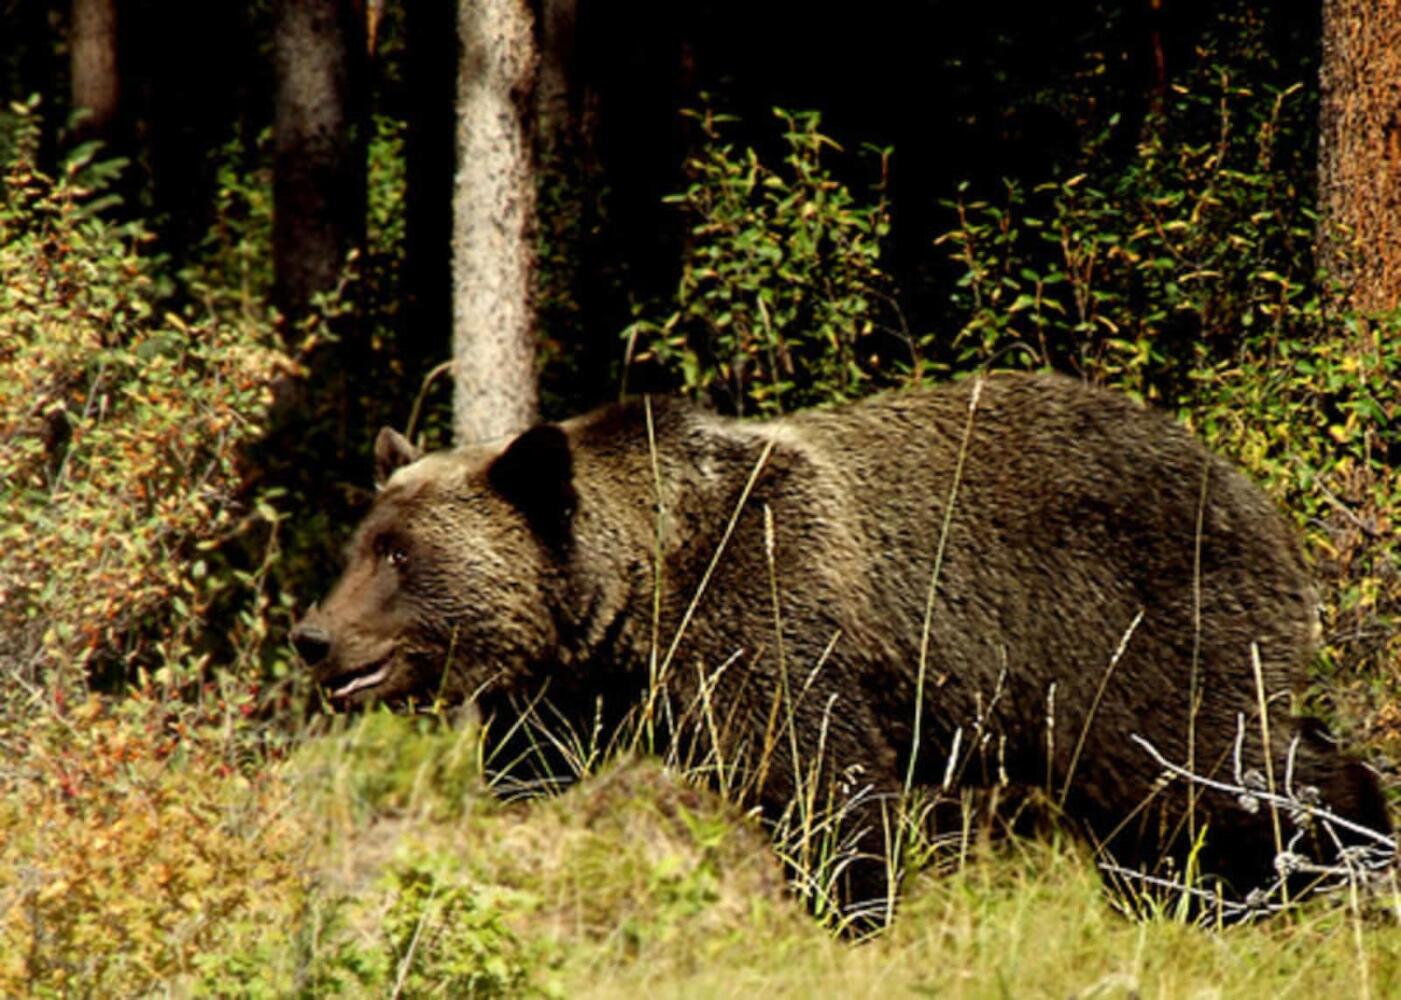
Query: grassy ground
633, 884
372, 861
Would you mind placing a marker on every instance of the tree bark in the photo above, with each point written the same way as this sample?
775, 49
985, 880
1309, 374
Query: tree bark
1359, 154
319, 166
555, 110
430, 75
191, 100
493, 222
96, 85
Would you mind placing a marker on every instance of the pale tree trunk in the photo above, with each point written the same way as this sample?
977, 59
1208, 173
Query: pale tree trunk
493, 222
318, 167
1359, 154
96, 86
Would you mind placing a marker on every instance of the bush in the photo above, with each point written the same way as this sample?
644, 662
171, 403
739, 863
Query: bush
782, 302
122, 422
136, 832
1198, 249
131, 845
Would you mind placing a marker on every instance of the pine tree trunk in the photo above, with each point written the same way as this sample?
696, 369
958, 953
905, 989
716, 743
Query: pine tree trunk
1359, 155
555, 109
96, 85
318, 187
430, 76
493, 222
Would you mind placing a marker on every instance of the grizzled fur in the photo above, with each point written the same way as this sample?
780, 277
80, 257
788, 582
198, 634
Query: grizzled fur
504, 573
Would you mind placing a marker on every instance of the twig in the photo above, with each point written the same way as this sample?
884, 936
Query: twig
1305, 808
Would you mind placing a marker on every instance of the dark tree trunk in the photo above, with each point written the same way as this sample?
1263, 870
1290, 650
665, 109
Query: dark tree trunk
431, 80
556, 104
319, 163
95, 80
191, 97
1359, 154
1157, 94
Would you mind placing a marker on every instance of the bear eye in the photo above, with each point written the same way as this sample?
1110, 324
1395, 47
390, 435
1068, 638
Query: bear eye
391, 550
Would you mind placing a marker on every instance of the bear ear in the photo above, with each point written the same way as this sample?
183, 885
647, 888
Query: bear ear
392, 451
535, 474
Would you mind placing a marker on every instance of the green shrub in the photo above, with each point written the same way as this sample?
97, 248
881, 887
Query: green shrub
232, 267
1317, 420
445, 937
122, 421
1197, 249
782, 301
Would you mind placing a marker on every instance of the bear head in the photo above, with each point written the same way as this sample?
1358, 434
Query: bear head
449, 579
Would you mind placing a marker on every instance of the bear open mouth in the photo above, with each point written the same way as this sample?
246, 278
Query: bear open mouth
368, 676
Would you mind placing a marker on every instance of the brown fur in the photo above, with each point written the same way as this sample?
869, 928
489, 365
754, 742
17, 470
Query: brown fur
531, 569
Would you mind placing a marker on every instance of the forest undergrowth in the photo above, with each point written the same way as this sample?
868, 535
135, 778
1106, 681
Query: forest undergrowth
176, 818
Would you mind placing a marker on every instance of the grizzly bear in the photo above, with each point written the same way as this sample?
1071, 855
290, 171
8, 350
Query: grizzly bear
1011, 579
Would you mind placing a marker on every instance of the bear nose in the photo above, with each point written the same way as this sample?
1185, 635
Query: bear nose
311, 641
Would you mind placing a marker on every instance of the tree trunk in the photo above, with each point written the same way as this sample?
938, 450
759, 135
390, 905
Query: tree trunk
430, 76
95, 82
555, 109
1359, 154
319, 166
1157, 96
191, 100
493, 222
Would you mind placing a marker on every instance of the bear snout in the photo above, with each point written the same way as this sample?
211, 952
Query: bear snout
311, 641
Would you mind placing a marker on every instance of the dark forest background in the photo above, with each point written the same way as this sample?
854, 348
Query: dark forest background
965, 96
